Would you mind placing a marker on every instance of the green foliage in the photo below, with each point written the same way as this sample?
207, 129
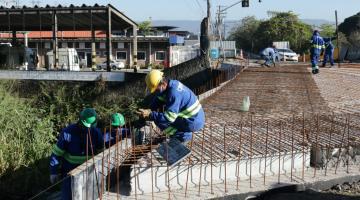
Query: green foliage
327, 30
243, 34
26, 133
29, 124
350, 25
284, 26
145, 27
354, 39
63, 101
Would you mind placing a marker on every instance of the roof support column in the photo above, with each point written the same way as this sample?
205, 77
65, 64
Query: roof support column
108, 41
55, 39
13, 42
135, 48
93, 46
150, 53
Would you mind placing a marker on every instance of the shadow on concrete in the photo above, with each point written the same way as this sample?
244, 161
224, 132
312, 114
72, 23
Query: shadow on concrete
27, 182
294, 192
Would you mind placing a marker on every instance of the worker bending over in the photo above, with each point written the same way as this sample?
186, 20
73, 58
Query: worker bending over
268, 54
76, 143
183, 113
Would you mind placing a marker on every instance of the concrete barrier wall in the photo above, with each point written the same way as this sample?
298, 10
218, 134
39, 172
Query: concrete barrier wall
181, 175
87, 179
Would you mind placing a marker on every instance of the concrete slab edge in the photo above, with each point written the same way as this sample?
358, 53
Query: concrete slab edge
317, 186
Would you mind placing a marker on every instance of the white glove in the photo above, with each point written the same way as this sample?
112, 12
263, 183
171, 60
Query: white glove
53, 178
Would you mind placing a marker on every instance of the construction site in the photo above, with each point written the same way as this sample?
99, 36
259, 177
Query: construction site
274, 130
298, 131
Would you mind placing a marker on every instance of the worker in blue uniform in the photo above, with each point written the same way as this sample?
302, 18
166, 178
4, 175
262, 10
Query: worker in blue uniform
118, 132
329, 51
76, 143
317, 49
183, 113
268, 54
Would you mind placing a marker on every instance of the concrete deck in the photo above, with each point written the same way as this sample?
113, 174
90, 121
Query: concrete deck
279, 97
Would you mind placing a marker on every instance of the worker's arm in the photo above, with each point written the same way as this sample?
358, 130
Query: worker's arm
122, 133
58, 151
157, 102
99, 145
170, 113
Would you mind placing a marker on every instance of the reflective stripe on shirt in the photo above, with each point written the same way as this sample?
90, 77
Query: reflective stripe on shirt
316, 46
57, 151
74, 159
191, 111
170, 130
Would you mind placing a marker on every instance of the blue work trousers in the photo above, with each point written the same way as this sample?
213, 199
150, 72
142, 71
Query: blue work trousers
314, 59
268, 60
185, 127
329, 55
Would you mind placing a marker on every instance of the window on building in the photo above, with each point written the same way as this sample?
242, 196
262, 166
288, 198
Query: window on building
87, 45
160, 55
76, 45
141, 55
81, 55
81, 45
70, 45
102, 45
47, 45
121, 55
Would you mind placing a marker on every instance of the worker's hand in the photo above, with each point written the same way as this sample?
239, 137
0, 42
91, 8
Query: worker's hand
144, 113
53, 178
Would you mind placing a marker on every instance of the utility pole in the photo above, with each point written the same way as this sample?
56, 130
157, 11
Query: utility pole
208, 28
208, 17
337, 37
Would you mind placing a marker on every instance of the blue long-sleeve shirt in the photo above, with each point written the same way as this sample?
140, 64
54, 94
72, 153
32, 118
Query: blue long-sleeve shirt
182, 110
268, 52
317, 44
122, 133
70, 149
329, 47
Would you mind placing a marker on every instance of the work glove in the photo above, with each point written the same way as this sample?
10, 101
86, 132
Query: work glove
144, 113
53, 178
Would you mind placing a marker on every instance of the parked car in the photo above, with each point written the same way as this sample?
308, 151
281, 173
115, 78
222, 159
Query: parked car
114, 64
288, 54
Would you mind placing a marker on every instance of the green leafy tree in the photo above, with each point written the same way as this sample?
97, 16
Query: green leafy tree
327, 30
145, 27
350, 25
243, 34
284, 26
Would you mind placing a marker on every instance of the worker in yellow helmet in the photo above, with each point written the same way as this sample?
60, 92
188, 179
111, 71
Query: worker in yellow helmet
183, 113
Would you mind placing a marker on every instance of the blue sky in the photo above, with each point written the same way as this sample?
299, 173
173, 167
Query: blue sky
140, 10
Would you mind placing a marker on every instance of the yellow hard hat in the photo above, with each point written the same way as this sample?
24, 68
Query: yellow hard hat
153, 79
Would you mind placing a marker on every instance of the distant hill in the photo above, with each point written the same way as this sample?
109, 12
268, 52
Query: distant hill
317, 22
194, 25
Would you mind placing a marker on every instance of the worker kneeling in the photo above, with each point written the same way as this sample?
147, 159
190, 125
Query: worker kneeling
183, 113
